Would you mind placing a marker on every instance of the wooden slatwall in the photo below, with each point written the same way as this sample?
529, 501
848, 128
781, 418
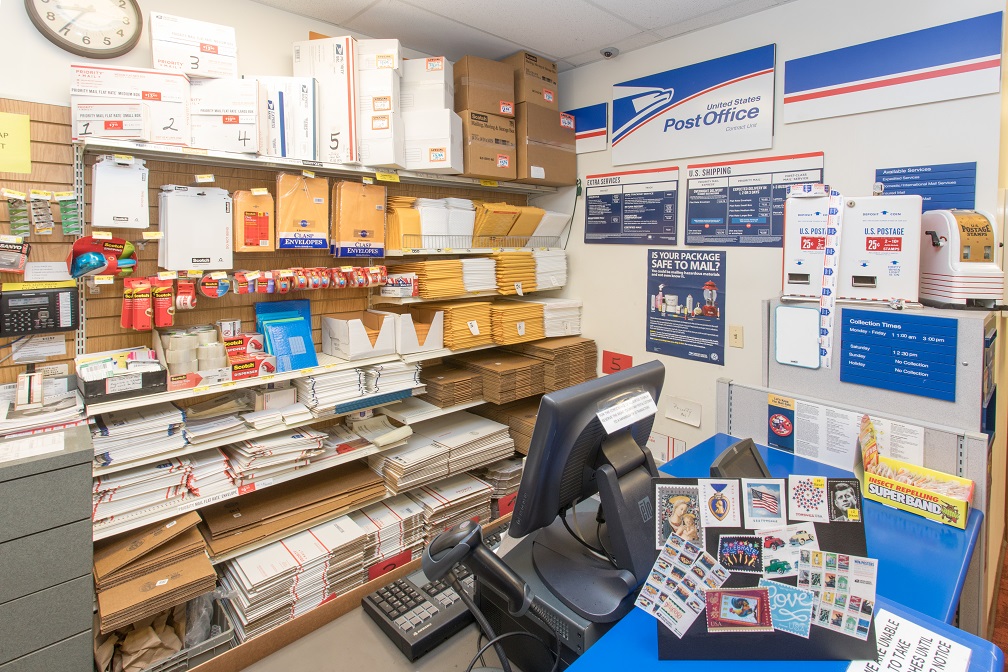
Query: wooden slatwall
52, 170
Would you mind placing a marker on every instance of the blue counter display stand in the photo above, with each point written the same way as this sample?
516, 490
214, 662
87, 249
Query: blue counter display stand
922, 566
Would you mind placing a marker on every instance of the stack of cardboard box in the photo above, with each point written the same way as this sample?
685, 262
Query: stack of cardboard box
332, 63
484, 98
433, 130
379, 122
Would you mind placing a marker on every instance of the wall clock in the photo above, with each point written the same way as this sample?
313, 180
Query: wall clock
89, 28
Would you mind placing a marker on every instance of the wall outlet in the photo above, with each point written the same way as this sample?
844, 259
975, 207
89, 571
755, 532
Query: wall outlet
735, 338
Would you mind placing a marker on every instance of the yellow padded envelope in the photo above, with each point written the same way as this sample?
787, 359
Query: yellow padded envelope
528, 219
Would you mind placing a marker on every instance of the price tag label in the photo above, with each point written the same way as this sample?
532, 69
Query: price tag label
308, 173
124, 159
167, 275
521, 328
15, 240
64, 195
104, 279
153, 235
496, 250
270, 377
230, 383
39, 195
819, 482
367, 180
489, 183
252, 275
346, 269
101, 235
260, 191
200, 389
218, 275
193, 273
518, 289
204, 178
473, 327
285, 273
383, 176
553, 279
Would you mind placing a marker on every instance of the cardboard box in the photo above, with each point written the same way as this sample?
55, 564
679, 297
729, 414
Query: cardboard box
482, 85
225, 114
123, 386
545, 142
357, 335
289, 117
191, 47
383, 54
378, 97
433, 141
535, 79
385, 145
435, 70
488, 146
252, 366
418, 330
417, 96
243, 345
333, 64
165, 94
358, 219
97, 118
400, 285
189, 380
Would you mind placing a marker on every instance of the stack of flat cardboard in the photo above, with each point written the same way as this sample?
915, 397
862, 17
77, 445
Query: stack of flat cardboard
504, 477
270, 456
516, 272
283, 580
436, 279
229, 525
394, 531
132, 434
472, 441
419, 461
520, 417
448, 386
145, 572
466, 324
451, 501
493, 223
516, 322
569, 360
506, 376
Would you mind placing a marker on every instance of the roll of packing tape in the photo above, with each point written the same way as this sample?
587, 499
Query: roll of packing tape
180, 356
211, 351
183, 368
212, 363
214, 288
183, 341
205, 333
185, 295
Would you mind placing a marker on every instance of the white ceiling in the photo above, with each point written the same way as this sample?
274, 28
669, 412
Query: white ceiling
571, 32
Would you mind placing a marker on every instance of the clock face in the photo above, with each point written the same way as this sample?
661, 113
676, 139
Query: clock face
90, 28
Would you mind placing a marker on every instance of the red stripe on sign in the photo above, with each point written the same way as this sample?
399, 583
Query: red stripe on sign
633, 172
894, 81
786, 157
590, 134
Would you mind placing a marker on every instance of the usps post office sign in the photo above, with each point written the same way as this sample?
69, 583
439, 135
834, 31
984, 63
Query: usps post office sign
714, 107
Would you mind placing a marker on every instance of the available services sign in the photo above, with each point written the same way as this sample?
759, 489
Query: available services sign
714, 107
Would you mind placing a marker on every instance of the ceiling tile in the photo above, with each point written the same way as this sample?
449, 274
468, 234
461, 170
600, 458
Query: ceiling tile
633, 42
549, 27
721, 15
649, 14
332, 12
429, 33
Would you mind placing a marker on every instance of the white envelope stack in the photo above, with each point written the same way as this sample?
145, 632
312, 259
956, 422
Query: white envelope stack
419, 461
321, 393
272, 456
470, 440
479, 274
451, 501
550, 227
393, 527
550, 268
122, 436
561, 317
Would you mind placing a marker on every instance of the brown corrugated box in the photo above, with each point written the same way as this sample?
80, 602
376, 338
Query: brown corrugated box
182, 547
484, 86
535, 79
488, 146
545, 147
114, 554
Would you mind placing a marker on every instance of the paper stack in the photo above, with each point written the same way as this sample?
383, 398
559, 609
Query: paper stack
438, 279
550, 268
214, 428
451, 501
506, 376
493, 223
568, 361
479, 274
516, 272
520, 417
547, 234
402, 224
121, 436
274, 417
448, 386
561, 317
409, 410
60, 410
461, 220
271, 456
504, 477
466, 324
419, 461
229, 525
391, 377
321, 393
471, 441
380, 432
288, 578
516, 322
394, 528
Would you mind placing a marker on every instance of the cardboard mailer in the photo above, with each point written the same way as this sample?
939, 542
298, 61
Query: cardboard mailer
302, 212
113, 554
356, 335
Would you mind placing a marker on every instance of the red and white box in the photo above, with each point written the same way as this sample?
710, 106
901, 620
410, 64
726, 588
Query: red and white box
253, 366
195, 48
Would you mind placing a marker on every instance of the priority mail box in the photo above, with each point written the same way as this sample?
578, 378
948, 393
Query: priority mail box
482, 85
289, 118
333, 64
433, 141
418, 330
488, 146
378, 97
165, 94
358, 334
225, 114
191, 47
535, 79
545, 140
96, 118
383, 54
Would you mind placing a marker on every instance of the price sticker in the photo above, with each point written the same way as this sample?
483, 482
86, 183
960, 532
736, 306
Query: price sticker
383, 176
218, 275
367, 180
104, 279
308, 173
124, 159
252, 275
518, 289
285, 273
473, 327
204, 178
167, 275
14, 240
260, 191
40, 195
489, 183
153, 235
64, 195
230, 383
101, 235
819, 482
200, 389
521, 328
16, 195
193, 273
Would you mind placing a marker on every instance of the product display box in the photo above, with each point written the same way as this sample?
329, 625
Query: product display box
433, 141
333, 64
358, 335
242, 345
195, 48
488, 146
165, 94
545, 140
123, 386
482, 85
382, 54
111, 121
289, 118
225, 114
268, 400
535, 79
418, 331
427, 84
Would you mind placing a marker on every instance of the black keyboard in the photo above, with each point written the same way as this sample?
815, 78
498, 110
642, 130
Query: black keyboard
417, 614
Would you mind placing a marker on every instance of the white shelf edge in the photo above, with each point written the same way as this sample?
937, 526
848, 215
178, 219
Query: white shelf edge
437, 414
197, 155
434, 251
410, 300
418, 357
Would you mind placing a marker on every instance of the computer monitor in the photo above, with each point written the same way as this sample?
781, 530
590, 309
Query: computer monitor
571, 458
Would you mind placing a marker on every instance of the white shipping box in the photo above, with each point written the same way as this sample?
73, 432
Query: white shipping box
422, 96
165, 94
290, 117
385, 146
433, 141
333, 64
378, 92
436, 70
196, 223
383, 54
344, 335
96, 118
408, 341
195, 48
225, 114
